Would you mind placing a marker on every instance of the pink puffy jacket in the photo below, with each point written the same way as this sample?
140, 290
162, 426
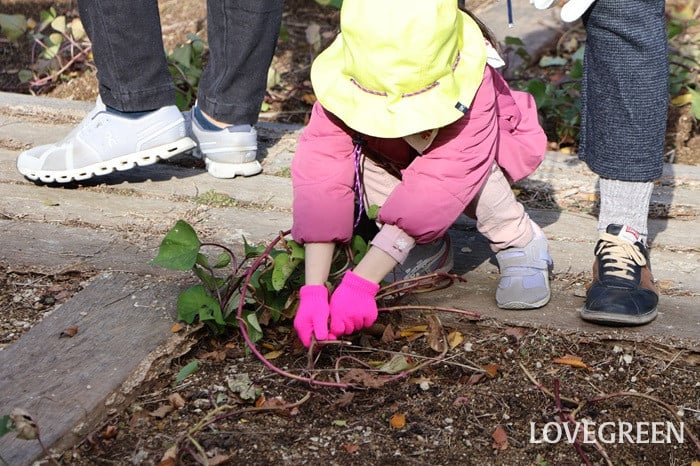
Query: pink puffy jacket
435, 187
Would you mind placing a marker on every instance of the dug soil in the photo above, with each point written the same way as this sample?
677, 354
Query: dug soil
493, 394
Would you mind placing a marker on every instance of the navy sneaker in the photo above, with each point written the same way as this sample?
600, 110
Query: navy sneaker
622, 292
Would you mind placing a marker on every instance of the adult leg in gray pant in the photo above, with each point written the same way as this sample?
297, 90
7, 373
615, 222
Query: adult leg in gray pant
623, 128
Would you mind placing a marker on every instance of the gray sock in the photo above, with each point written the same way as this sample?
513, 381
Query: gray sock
625, 203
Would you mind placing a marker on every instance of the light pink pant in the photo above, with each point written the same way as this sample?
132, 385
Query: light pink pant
499, 216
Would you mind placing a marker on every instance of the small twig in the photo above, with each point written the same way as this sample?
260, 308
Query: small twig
568, 401
470, 314
672, 360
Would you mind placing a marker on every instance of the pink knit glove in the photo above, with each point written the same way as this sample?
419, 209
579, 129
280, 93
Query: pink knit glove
353, 305
312, 314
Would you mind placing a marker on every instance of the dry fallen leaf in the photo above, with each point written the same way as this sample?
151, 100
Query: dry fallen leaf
515, 332
345, 400
216, 356
398, 421
354, 448
573, 361
169, 457
435, 332
491, 369
69, 332
475, 378
500, 438
388, 335
110, 432
25, 426
454, 339
162, 411
308, 98
177, 400
273, 354
407, 332
177, 327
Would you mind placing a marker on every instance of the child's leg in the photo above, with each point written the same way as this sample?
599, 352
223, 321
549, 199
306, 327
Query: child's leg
520, 245
499, 216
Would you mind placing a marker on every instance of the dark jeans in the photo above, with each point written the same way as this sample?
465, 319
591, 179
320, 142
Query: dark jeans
131, 66
625, 89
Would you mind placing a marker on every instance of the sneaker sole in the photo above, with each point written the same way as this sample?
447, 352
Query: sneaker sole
232, 170
614, 319
526, 306
523, 306
123, 163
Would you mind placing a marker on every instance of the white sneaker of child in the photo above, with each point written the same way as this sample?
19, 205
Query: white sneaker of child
525, 273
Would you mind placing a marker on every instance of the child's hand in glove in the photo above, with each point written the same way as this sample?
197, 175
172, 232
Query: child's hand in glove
353, 305
312, 314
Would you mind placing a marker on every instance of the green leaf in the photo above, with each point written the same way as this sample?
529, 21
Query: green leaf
50, 51
182, 54
186, 371
202, 260
332, 3
59, 24
373, 212
514, 41
396, 364
77, 30
244, 387
209, 281
252, 251
359, 248
297, 249
24, 76
538, 89
6, 425
179, 248
695, 102
13, 26
282, 270
546, 61
46, 17
222, 261
252, 326
196, 302
576, 71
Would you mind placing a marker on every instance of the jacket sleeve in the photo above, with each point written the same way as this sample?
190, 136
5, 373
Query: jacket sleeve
323, 176
437, 186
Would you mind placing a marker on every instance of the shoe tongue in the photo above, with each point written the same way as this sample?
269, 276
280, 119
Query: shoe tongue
624, 232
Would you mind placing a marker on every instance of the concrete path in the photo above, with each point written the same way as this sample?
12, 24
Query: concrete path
112, 227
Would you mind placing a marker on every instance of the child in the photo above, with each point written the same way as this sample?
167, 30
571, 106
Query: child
411, 118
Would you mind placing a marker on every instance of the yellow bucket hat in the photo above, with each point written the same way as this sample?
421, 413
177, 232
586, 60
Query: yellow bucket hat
400, 67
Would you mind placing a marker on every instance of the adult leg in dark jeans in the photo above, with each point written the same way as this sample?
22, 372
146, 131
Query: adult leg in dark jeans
625, 103
136, 123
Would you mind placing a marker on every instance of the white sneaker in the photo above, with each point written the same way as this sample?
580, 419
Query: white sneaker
226, 153
524, 282
104, 142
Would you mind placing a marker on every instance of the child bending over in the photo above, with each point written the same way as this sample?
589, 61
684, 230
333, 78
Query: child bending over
411, 117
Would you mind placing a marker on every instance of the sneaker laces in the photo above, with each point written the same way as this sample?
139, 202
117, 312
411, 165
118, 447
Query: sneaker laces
618, 256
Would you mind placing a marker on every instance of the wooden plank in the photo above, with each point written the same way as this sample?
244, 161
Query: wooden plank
68, 384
